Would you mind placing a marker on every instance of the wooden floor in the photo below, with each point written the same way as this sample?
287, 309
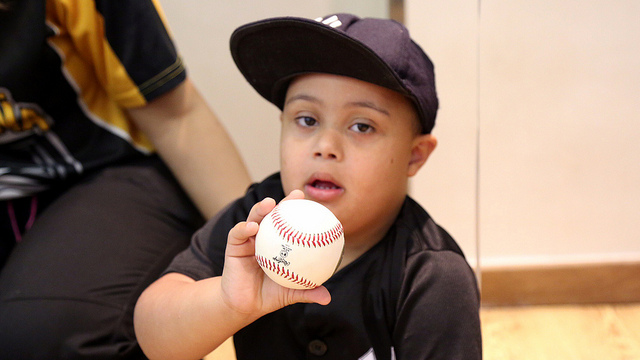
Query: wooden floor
602, 332
586, 332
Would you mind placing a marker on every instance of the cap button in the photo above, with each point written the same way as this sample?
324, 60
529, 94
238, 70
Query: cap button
317, 347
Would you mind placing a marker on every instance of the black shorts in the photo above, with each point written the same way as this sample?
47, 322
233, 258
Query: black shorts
69, 287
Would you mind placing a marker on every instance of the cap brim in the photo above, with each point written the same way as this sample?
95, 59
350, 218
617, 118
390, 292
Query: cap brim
271, 52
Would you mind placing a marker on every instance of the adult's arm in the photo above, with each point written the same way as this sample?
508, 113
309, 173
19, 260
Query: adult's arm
195, 145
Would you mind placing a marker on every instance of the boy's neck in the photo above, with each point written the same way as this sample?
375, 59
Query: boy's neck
358, 243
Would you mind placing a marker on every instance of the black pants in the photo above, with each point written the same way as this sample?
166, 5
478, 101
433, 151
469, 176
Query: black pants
68, 288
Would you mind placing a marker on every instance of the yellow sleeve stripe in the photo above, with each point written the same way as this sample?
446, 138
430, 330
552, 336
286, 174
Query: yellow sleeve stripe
93, 69
84, 28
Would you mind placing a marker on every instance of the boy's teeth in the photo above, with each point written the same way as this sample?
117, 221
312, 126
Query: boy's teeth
323, 185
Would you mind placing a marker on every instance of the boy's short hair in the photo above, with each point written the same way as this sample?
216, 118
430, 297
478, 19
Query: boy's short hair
271, 52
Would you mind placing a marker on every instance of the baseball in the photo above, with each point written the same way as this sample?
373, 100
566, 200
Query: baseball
299, 244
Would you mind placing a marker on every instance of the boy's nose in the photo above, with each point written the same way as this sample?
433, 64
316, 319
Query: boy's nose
328, 146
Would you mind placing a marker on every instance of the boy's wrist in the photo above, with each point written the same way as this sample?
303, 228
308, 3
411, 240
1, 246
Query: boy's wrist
231, 312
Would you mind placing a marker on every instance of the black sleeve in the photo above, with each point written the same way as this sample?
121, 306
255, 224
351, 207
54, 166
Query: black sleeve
195, 261
138, 35
204, 258
438, 311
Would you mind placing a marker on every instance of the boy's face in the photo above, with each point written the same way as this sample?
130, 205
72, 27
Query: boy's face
351, 146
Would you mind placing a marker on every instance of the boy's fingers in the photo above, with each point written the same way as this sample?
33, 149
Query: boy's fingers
260, 210
319, 295
242, 232
295, 194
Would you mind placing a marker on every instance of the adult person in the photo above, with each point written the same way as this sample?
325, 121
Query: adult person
109, 160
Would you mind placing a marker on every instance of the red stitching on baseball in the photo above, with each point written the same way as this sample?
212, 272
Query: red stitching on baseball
285, 273
297, 237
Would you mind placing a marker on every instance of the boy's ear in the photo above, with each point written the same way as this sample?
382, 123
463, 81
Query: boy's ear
423, 146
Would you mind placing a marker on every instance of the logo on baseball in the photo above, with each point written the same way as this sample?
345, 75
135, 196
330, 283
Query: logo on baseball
299, 244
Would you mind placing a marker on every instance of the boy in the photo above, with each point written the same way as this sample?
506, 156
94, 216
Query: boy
358, 104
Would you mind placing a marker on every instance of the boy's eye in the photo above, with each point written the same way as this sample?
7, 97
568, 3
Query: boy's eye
306, 121
362, 128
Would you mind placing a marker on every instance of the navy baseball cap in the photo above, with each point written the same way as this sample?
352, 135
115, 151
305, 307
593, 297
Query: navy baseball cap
271, 52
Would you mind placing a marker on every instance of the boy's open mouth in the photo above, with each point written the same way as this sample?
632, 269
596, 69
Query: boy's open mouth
323, 188
324, 185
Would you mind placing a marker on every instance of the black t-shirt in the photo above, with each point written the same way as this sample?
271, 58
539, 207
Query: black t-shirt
412, 296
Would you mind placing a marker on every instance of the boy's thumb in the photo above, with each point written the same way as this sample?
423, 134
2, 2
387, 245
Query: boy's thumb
319, 295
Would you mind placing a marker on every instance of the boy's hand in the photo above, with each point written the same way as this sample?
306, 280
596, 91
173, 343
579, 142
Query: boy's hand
178, 317
245, 287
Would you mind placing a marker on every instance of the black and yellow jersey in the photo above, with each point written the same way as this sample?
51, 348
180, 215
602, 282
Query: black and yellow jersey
68, 69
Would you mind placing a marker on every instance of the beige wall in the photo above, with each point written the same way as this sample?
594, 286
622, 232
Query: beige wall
446, 186
559, 115
556, 100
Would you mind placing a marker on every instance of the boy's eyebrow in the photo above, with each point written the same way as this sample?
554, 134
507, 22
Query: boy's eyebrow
365, 104
303, 97
369, 105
